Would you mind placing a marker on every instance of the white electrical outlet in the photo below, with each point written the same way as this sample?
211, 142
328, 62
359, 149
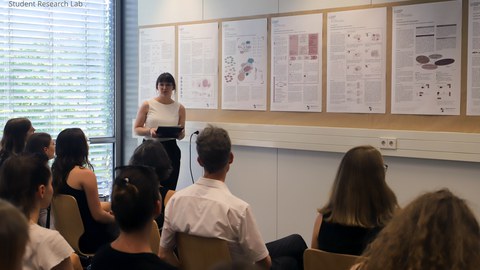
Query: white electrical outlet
387, 143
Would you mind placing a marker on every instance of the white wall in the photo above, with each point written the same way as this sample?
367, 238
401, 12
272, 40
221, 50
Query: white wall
151, 12
286, 186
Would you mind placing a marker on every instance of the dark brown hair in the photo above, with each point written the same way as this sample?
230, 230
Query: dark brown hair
152, 153
20, 177
71, 148
14, 137
13, 236
134, 196
166, 78
37, 142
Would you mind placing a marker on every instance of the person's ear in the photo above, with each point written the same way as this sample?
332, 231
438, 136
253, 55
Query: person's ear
45, 149
41, 191
230, 158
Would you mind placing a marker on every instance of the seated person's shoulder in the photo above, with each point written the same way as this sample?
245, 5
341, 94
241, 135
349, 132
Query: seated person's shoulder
238, 203
109, 258
82, 172
42, 234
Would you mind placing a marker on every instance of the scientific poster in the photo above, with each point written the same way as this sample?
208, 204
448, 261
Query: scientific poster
156, 55
473, 87
356, 59
426, 52
198, 66
244, 65
296, 63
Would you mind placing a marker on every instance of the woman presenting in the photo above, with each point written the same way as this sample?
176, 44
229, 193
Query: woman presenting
163, 111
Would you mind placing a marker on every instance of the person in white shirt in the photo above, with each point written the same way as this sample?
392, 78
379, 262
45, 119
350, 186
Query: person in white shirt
26, 182
207, 208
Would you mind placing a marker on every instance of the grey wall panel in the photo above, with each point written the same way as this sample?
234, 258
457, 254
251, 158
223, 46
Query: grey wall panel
130, 75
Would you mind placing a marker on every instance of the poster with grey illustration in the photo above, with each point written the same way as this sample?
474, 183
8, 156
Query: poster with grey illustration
426, 52
244, 65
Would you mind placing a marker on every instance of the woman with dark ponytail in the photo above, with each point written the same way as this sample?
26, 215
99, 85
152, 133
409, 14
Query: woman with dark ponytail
135, 203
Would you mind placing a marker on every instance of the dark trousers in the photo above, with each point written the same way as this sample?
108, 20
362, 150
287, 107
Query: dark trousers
174, 154
287, 252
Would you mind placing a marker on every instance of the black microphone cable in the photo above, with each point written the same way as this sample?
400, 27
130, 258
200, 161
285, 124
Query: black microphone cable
190, 153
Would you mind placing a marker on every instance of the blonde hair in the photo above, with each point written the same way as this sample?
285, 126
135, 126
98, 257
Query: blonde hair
360, 196
13, 236
435, 231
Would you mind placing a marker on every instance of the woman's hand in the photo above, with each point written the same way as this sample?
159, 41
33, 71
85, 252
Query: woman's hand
153, 133
181, 135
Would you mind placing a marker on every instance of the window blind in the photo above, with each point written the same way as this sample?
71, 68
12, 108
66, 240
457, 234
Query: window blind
57, 68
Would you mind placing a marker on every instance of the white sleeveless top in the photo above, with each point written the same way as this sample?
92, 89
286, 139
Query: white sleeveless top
160, 114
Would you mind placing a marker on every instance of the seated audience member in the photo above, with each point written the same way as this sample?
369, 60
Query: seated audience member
435, 231
360, 204
15, 135
208, 209
151, 153
13, 236
73, 175
135, 203
25, 181
42, 143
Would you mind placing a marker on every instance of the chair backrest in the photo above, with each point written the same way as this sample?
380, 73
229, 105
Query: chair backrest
168, 196
201, 253
314, 259
68, 220
154, 238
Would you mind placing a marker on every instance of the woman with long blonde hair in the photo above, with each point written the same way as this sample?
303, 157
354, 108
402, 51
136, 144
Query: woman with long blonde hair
360, 204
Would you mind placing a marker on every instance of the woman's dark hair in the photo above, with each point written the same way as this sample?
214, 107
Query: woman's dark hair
152, 153
37, 142
20, 177
14, 137
13, 236
71, 148
166, 78
134, 197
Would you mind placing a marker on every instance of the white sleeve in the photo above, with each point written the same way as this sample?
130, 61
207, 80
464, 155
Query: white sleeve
53, 250
250, 238
167, 238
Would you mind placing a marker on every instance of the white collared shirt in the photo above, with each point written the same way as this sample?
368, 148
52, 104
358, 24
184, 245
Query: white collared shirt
208, 208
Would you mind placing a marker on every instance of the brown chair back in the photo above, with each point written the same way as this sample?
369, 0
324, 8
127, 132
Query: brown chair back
168, 196
155, 238
68, 220
314, 259
201, 253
